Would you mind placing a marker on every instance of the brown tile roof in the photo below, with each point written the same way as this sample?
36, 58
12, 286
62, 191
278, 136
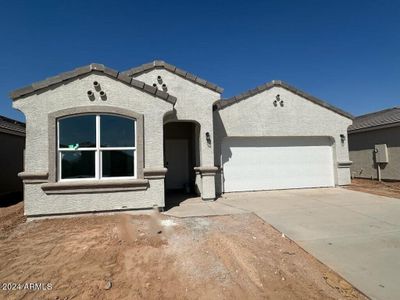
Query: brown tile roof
160, 64
221, 104
376, 120
85, 70
11, 126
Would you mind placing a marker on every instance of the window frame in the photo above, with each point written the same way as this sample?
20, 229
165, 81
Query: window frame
97, 149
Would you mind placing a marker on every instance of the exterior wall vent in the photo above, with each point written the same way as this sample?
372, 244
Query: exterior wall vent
96, 85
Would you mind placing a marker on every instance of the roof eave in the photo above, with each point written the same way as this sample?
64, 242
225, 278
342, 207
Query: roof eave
372, 128
12, 132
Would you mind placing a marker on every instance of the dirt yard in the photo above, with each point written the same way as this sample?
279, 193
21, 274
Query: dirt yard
155, 257
388, 189
10, 217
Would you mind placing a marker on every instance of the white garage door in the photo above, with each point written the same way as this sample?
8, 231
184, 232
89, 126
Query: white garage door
259, 163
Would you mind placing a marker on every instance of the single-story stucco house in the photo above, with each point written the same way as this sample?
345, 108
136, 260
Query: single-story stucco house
12, 145
101, 140
374, 145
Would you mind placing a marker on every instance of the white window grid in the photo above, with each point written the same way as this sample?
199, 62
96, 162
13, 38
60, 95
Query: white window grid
98, 152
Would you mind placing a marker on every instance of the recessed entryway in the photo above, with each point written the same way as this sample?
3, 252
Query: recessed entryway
181, 156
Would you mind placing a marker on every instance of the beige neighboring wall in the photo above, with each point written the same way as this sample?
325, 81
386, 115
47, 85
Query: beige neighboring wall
257, 116
73, 94
362, 145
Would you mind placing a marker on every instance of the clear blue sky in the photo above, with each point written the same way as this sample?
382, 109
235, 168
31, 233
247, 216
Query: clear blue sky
345, 52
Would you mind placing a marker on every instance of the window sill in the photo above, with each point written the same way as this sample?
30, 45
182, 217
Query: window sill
95, 186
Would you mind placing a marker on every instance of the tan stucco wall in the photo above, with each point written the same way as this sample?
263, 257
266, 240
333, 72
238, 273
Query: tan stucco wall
73, 94
11, 162
257, 116
39, 203
362, 146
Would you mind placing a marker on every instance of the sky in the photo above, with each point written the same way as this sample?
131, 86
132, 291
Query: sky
344, 52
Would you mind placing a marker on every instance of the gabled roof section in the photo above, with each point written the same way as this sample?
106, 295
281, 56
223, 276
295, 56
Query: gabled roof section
34, 87
11, 126
221, 104
160, 64
376, 120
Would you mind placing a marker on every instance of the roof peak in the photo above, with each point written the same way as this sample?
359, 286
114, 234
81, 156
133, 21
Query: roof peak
161, 64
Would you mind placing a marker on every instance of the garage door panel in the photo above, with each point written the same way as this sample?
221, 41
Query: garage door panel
276, 163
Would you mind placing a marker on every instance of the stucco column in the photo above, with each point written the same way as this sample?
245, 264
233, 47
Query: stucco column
343, 162
197, 181
207, 174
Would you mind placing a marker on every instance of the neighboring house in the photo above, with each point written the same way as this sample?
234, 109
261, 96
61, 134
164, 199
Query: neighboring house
102, 140
375, 145
12, 145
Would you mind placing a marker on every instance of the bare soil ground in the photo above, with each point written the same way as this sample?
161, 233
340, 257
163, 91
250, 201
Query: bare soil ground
388, 189
10, 217
158, 257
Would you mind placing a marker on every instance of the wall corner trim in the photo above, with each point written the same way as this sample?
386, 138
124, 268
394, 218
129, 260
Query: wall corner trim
154, 173
344, 164
206, 170
31, 177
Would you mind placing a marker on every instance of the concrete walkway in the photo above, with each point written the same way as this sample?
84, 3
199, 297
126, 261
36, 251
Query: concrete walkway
196, 207
356, 234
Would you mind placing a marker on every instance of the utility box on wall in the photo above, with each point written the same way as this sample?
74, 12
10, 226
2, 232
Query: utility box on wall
381, 154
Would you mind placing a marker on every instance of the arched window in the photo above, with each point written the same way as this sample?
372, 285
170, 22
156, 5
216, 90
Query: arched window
96, 146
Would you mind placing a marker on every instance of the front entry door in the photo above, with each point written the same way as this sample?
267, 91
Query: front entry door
177, 163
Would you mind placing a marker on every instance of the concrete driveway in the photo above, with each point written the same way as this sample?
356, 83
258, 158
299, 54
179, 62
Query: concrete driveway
356, 234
